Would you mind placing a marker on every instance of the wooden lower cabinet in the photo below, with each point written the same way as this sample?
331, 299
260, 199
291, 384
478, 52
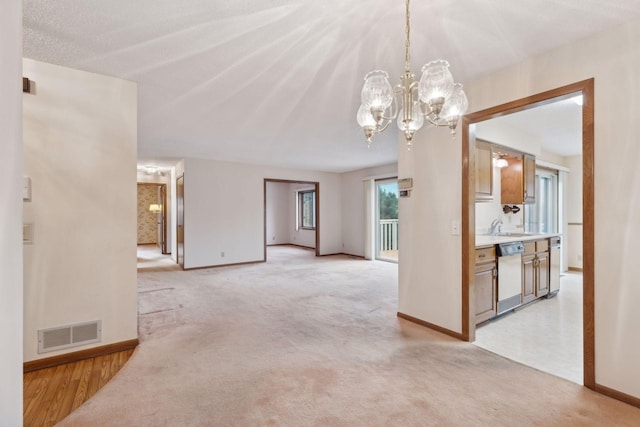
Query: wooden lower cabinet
542, 270
535, 270
486, 279
528, 277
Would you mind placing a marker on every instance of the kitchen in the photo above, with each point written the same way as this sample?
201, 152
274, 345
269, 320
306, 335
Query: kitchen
527, 176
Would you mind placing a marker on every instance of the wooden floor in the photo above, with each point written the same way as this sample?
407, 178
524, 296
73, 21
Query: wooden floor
53, 393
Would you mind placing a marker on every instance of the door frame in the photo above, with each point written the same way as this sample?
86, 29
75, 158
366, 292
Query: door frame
316, 186
376, 217
163, 212
178, 211
586, 88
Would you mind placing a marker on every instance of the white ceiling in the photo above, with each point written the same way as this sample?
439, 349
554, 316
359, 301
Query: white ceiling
278, 81
558, 126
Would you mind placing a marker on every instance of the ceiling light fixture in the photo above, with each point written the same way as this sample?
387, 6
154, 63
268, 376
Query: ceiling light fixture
500, 162
435, 98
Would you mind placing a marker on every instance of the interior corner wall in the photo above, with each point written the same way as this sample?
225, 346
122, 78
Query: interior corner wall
11, 303
299, 236
354, 211
278, 213
80, 136
430, 286
224, 211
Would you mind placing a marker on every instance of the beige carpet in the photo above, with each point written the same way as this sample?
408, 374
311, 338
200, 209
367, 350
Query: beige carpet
306, 341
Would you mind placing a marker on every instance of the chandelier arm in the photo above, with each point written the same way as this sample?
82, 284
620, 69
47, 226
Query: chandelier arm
383, 128
434, 122
394, 107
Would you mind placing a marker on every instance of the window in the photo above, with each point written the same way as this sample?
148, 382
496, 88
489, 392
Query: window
307, 209
542, 216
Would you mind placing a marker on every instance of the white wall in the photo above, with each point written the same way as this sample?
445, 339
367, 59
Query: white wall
430, 268
224, 208
299, 236
11, 307
80, 133
278, 213
354, 212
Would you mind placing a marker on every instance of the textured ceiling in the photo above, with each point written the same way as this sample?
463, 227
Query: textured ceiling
278, 81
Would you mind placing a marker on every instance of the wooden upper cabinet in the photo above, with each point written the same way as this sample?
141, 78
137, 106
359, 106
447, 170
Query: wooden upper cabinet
518, 180
484, 171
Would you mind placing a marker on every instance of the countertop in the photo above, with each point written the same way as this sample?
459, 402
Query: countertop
487, 240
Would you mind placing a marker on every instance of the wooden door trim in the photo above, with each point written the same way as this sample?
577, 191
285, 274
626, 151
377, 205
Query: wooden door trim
178, 223
586, 87
316, 186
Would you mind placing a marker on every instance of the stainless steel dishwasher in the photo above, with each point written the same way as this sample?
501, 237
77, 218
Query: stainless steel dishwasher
509, 275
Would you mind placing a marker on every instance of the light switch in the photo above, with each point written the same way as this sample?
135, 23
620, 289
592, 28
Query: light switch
26, 188
455, 228
27, 233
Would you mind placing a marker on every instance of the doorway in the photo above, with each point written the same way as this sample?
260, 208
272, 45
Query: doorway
152, 218
291, 214
180, 221
387, 220
586, 89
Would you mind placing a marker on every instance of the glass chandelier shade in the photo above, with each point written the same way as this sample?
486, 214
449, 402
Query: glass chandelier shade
436, 82
365, 118
435, 98
456, 105
377, 91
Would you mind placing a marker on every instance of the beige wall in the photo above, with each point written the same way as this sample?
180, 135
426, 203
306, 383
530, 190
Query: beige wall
430, 279
11, 213
80, 152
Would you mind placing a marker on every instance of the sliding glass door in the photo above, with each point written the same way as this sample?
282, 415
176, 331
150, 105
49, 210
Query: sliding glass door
387, 220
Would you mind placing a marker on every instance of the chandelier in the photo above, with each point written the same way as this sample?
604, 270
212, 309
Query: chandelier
434, 98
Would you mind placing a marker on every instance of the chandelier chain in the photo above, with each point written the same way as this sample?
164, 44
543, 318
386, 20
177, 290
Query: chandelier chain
408, 42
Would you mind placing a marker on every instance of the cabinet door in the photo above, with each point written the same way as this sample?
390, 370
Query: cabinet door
484, 171
542, 273
529, 171
511, 186
486, 286
528, 278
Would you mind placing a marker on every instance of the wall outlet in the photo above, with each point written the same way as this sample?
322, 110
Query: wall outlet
273, 238
222, 254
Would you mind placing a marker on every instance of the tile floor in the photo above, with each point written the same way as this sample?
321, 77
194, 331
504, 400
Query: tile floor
546, 335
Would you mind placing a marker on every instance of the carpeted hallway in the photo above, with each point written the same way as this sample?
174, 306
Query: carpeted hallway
306, 341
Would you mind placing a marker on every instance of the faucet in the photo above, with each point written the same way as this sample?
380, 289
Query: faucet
495, 227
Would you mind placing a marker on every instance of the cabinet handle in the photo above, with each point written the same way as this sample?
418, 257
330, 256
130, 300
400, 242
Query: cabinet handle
482, 255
